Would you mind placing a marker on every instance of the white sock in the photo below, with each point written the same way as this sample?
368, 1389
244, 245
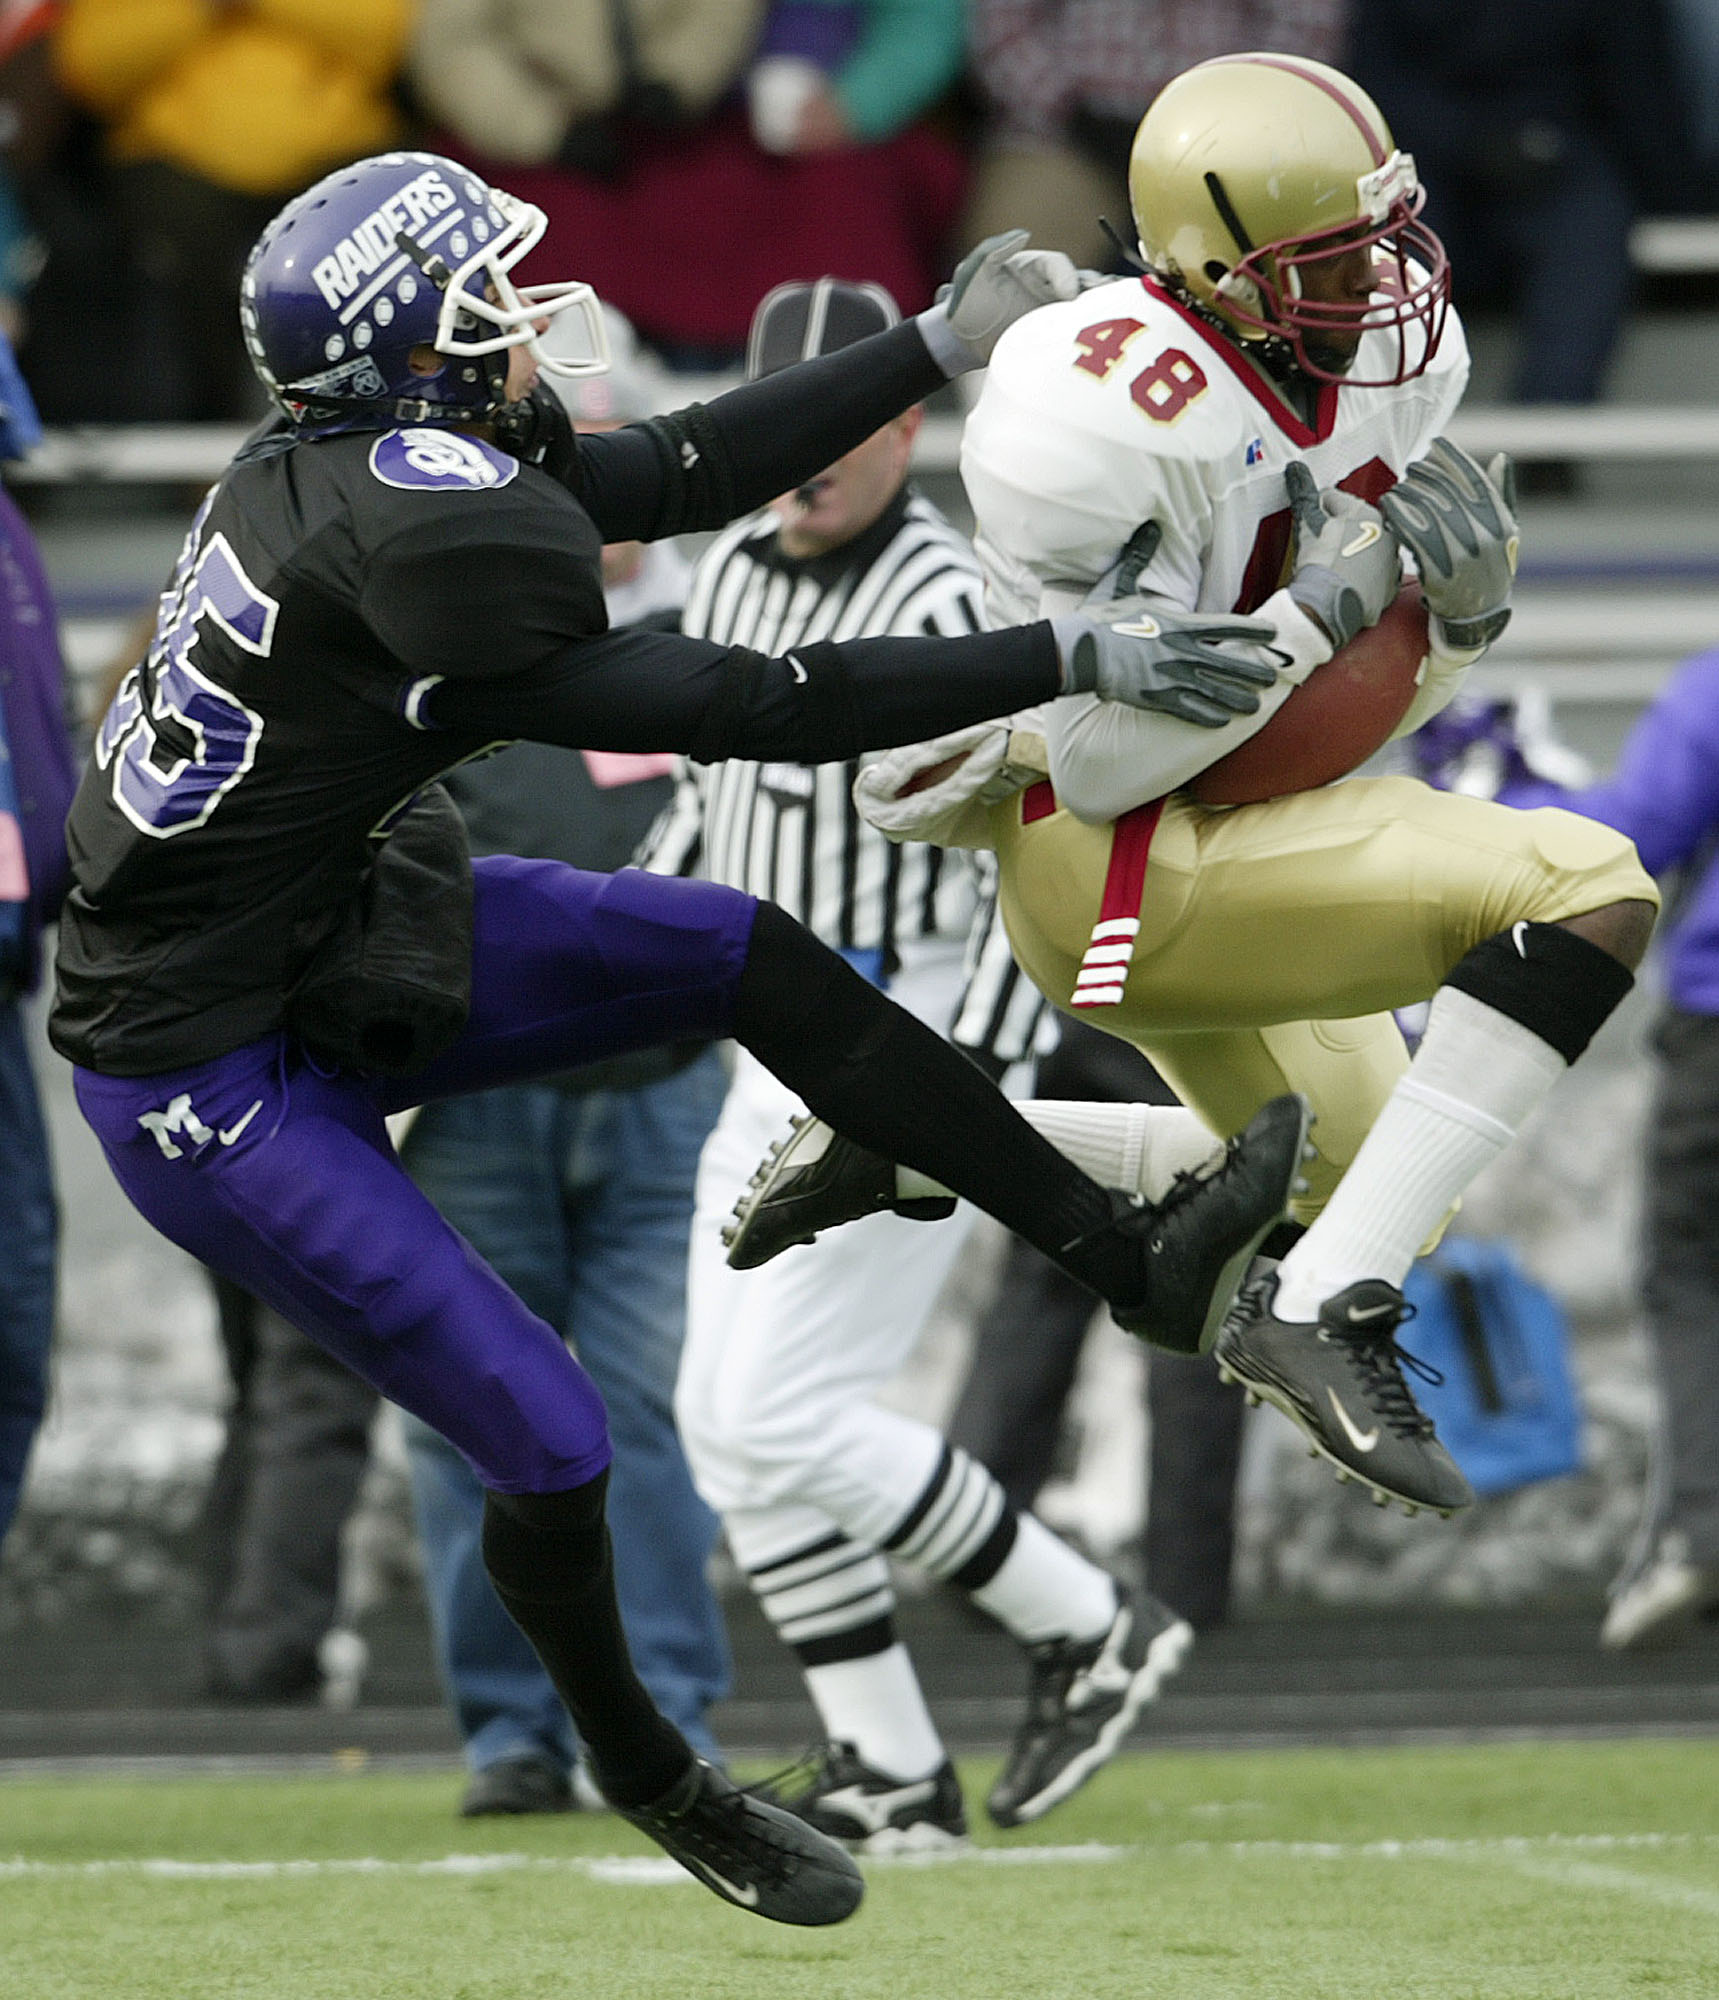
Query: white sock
1044, 1590
1474, 1080
876, 1704
1140, 1147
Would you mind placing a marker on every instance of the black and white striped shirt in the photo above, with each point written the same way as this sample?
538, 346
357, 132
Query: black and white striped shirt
789, 832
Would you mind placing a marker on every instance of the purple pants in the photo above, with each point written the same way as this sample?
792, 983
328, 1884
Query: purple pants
280, 1175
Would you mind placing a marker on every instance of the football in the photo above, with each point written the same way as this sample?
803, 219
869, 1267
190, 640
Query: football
1335, 720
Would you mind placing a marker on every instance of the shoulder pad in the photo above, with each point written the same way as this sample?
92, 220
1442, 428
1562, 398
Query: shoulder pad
1117, 363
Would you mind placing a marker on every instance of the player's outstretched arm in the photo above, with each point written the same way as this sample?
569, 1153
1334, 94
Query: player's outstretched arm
642, 690
998, 282
1186, 664
703, 466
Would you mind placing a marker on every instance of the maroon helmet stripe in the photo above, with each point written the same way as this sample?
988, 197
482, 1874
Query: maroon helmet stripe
1310, 75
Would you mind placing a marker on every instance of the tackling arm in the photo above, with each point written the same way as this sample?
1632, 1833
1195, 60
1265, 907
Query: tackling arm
643, 690
705, 465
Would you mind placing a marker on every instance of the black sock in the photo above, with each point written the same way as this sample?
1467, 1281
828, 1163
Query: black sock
549, 1558
884, 1080
1282, 1240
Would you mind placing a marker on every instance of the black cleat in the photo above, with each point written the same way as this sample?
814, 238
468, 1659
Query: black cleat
866, 1809
752, 1854
525, 1784
1200, 1239
815, 1179
1081, 1702
1339, 1380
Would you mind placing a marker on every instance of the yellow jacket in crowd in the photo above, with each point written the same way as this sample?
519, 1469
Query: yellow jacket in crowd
259, 96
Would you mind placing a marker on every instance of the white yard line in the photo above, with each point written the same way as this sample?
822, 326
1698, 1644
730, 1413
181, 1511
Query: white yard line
1555, 1858
1583, 1875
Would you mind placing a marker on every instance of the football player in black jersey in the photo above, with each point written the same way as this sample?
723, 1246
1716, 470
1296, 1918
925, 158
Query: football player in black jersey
276, 936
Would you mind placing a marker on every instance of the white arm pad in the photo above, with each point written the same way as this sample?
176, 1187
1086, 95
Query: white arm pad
1442, 674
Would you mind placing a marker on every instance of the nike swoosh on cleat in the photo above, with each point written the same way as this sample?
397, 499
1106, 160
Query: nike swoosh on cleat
874, 1809
1361, 1440
797, 668
747, 1898
1519, 938
1365, 1315
231, 1132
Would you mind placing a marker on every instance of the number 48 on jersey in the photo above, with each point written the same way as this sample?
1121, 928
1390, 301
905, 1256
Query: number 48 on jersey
1163, 389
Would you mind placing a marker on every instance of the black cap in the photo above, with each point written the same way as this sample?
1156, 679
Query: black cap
798, 320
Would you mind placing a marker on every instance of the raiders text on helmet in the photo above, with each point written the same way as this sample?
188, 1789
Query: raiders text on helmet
403, 251
1250, 170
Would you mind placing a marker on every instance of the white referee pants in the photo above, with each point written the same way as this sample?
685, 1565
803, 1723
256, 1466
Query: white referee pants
781, 1363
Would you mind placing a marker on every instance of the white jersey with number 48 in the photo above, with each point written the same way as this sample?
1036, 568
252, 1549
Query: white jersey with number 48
1119, 420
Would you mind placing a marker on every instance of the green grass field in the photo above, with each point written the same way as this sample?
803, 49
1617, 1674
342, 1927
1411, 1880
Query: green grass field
1512, 1872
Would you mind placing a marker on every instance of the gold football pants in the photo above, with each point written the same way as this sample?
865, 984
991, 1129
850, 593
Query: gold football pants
1275, 938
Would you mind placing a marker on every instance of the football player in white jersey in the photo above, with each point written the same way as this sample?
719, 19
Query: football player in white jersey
1253, 423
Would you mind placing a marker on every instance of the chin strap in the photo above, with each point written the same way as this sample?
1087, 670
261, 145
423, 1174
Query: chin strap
1130, 257
1273, 353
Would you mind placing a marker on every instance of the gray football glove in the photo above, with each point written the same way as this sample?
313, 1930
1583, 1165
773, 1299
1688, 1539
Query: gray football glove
998, 282
1347, 571
1457, 519
1181, 663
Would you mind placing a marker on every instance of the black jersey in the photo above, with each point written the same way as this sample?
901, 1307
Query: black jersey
354, 615
247, 766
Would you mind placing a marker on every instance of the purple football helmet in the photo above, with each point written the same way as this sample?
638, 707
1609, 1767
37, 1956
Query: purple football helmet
401, 251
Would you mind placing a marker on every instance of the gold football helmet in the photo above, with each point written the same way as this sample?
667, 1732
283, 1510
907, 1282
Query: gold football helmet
1249, 171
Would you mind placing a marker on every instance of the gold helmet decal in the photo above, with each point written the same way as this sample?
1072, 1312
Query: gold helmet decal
1252, 175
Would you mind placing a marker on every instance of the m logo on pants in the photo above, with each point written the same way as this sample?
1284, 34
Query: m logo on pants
180, 1118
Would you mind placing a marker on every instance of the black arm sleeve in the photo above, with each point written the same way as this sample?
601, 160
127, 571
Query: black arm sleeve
703, 466
642, 690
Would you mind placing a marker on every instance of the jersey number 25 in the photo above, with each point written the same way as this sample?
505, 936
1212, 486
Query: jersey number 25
178, 754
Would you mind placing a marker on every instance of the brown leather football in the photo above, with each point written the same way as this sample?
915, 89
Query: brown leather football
1343, 712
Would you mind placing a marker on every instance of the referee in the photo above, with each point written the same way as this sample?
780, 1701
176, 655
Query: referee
818, 1485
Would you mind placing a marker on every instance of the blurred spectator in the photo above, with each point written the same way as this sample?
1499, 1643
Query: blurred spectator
1068, 81
1664, 794
675, 193
216, 111
1695, 41
579, 1191
1010, 1412
1540, 127
36, 783
75, 340
833, 73
293, 1460
32, 121
532, 82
